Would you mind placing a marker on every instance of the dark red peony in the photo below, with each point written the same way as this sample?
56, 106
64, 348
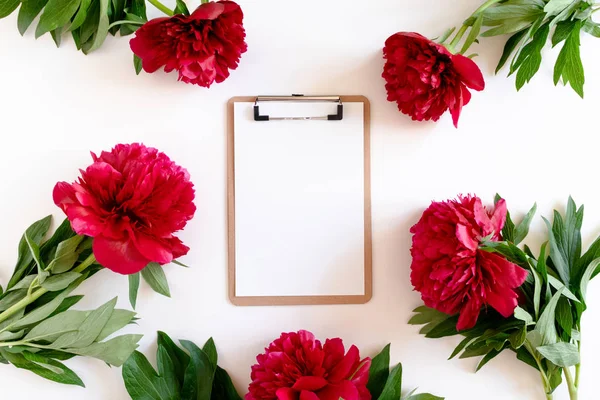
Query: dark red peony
425, 79
202, 47
130, 200
451, 272
297, 367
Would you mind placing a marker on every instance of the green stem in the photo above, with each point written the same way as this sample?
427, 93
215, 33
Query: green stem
570, 383
161, 7
25, 343
578, 367
463, 29
545, 380
31, 297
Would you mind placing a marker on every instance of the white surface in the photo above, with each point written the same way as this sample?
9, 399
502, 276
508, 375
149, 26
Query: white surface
299, 199
537, 145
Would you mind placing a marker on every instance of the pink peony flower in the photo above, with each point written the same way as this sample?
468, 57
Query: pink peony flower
297, 367
130, 200
451, 272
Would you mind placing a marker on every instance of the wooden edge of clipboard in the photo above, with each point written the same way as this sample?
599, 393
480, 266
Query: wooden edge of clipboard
298, 300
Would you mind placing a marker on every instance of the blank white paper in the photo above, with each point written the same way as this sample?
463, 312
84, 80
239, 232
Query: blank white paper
299, 201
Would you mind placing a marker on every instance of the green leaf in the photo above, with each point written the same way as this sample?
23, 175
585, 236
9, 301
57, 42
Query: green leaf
568, 65
517, 338
34, 249
57, 13
8, 336
66, 304
138, 7
423, 396
199, 374
529, 67
47, 309
537, 292
89, 330
510, 26
180, 264
554, 7
564, 316
101, 31
61, 281
179, 357
36, 233
118, 319
522, 229
11, 298
223, 388
114, 352
44, 367
137, 64
154, 275
512, 9
53, 327
166, 370
66, 255
561, 354
473, 33
393, 386
80, 16
545, 325
7, 7
211, 351
181, 8
487, 358
592, 28
558, 259
446, 35
461, 346
24, 283
134, 286
379, 372
587, 275
27, 13
556, 284
510, 46
57, 36
143, 382
562, 32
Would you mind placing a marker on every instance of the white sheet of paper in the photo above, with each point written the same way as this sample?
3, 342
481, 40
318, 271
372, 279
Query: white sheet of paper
299, 201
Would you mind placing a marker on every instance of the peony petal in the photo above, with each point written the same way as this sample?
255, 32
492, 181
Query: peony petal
505, 303
286, 394
210, 11
310, 383
345, 390
499, 216
469, 314
360, 377
469, 72
463, 235
304, 395
343, 369
153, 249
120, 256
63, 194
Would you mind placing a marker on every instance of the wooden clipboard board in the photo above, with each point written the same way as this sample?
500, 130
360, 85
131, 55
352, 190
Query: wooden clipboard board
260, 300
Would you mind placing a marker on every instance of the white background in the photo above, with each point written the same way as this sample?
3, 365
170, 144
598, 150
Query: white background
538, 145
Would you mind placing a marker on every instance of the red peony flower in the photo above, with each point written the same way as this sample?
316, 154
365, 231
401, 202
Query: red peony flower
130, 200
297, 367
425, 79
451, 272
202, 47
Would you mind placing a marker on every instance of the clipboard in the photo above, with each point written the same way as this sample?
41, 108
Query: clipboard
308, 244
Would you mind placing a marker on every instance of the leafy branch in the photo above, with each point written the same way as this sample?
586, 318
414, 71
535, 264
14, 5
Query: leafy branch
545, 330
